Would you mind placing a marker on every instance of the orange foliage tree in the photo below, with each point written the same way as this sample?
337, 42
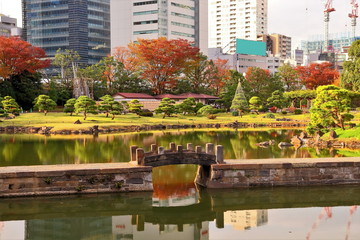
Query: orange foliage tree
160, 61
317, 75
18, 56
123, 55
220, 74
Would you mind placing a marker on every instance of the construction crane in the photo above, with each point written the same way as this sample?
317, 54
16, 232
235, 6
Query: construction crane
327, 11
354, 15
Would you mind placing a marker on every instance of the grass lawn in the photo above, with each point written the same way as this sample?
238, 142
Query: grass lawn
63, 121
347, 134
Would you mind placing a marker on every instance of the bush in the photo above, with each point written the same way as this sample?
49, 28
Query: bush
211, 116
284, 112
269, 115
298, 111
263, 109
221, 110
235, 113
146, 113
206, 110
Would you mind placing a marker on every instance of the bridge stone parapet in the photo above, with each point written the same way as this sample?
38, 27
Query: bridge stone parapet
177, 154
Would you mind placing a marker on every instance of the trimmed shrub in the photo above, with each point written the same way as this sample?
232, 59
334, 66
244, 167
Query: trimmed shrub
146, 113
235, 113
211, 116
206, 110
284, 112
269, 115
298, 111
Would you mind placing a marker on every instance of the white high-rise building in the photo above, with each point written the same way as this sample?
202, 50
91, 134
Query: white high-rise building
232, 19
150, 19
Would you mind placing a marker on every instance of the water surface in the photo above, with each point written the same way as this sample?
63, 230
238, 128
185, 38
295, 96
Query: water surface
38, 150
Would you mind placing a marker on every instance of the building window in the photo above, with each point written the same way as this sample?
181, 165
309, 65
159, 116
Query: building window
145, 3
145, 32
145, 12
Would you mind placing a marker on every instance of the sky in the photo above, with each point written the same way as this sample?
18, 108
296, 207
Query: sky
298, 19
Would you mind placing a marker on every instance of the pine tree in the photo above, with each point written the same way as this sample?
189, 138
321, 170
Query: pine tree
239, 102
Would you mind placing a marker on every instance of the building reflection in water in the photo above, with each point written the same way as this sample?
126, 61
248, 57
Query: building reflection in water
123, 228
246, 219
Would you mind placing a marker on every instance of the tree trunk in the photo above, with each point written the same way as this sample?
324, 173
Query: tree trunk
113, 117
45, 111
85, 115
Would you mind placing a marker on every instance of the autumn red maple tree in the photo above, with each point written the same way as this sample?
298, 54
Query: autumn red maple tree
317, 75
18, 56
161, 61
219, 75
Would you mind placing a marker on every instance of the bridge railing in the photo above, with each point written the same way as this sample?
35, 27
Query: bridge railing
190, 155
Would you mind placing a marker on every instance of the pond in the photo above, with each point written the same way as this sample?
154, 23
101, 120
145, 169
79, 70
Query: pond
181, 211
177, 209
18, 150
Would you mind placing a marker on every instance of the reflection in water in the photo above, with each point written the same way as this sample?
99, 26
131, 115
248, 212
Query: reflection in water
38, 150
174, 186
245, 220
281, 213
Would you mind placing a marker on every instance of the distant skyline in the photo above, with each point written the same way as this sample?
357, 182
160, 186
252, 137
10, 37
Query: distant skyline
296, 19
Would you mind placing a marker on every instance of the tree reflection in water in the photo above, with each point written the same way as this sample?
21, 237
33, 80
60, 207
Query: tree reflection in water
38, 150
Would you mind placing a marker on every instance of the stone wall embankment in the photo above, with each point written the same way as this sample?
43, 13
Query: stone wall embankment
281, 172
72, 179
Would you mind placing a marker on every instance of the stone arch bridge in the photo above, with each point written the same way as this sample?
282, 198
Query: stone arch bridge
176, 154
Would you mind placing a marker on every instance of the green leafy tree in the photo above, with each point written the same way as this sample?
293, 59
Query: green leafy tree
206, 110
69, 106
300, 95
116, 108
350, 77
2, 111
10, 105
24, 88
255, 104
86, 105
44, 103
290, 77
135, 106
277, 100
239, 102
105, 104
125, 106
110, 106
330, 109
167, 107
57, 91
260, 83
188, 106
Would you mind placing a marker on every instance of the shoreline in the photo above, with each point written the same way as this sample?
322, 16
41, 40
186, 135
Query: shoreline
98, 129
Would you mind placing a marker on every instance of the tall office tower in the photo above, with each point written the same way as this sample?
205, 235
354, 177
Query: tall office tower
80, 25
8, 26
232, 19
133, 19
